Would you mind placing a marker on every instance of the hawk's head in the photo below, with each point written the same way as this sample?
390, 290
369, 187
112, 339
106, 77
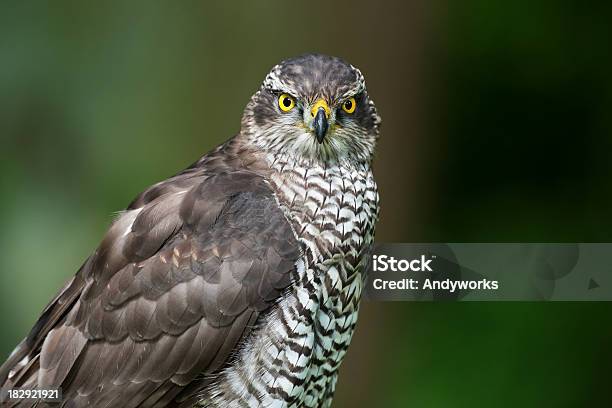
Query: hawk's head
316, 107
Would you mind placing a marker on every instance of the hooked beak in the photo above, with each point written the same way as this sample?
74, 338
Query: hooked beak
320, 111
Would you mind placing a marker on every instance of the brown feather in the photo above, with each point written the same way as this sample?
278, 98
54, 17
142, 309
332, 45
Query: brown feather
176, 284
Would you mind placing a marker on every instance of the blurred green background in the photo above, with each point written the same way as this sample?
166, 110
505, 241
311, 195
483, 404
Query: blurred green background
497, 127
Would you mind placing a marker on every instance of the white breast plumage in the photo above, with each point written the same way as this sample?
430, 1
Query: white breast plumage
301, 343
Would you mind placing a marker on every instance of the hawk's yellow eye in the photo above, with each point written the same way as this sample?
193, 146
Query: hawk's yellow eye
349, 105
286, 102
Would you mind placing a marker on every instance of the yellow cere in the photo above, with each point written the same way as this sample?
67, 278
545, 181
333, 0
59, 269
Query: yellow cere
320, 104
349, 105
286, 102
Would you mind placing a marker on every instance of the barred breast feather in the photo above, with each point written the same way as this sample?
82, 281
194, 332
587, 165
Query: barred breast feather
294, 356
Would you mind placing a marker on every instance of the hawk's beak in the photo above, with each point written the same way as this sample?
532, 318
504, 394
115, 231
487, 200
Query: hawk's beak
320, 111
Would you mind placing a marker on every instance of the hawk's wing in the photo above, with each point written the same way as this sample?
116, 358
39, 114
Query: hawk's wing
162, 303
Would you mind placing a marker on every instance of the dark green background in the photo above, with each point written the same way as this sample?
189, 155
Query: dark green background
497, 127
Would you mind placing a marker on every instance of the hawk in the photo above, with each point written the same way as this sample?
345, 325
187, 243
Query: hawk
235, 283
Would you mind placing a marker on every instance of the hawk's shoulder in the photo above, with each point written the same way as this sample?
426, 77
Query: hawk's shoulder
179, 279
